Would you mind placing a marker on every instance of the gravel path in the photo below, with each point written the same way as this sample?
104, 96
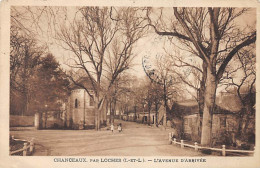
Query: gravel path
135, 140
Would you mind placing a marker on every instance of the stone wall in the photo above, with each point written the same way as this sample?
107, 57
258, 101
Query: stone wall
21, 121
221, 124
191, 125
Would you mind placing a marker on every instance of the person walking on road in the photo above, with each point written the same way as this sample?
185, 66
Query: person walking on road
112, 128
119, 127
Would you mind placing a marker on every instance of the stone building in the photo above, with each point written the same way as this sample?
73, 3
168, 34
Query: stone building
80, 108
221, 124
224, 122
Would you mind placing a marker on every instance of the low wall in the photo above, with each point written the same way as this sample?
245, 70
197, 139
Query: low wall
17, 121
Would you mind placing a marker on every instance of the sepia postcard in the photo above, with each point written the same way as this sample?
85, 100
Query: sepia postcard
129, 83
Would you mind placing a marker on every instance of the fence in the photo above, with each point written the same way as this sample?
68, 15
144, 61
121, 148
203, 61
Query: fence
27, 146
223, 150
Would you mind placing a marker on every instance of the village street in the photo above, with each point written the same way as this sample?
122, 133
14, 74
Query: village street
135, 140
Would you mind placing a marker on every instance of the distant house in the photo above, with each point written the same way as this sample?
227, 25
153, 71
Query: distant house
221, 124
132, 117
225, 120
143, 117
124, 117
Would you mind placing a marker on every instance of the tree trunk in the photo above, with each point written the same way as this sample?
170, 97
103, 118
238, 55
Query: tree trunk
40, 120
45, 119
110, 112
209, 98
25, 83
202, 88
156, 114
114, 110
149, 115
240, 123
248, 112
165, 104
201, 94
96, 113
135, 113
165, 118
99, 119
120, 110
182, 128
244, 131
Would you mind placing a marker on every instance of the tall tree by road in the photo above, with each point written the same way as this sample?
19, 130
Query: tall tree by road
243, 86
90, 37
25, 56
212, 35
50, 86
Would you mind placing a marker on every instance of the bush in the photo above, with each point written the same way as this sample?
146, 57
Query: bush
251, 137
222, 138
206, 151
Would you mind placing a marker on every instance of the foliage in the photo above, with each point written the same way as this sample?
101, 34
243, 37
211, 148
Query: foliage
25, 56
50, 85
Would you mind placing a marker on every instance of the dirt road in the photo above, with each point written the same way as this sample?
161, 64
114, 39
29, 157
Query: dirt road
135, 140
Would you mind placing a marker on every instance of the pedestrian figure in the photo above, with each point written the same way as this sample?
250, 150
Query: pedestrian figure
119, 127
112, 128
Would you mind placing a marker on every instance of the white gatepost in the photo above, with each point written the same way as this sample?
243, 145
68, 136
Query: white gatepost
223, 150
24, 149
196, 146
31, 145
182, 144
170, 138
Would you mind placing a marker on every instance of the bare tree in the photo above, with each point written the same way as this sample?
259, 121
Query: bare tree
102, 41
157, 91
244, 85
190, 73
155, 95
212, 35
149, 98
120, 89
162, 75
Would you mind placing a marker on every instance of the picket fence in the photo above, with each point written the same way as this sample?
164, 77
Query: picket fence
223, 150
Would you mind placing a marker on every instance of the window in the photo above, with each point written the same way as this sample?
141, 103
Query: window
76, 103
91, 101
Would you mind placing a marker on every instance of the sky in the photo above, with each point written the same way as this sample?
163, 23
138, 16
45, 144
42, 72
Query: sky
150, 45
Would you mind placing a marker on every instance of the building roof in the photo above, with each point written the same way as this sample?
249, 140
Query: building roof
82, 79
191, 107
229, 102
188, 103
